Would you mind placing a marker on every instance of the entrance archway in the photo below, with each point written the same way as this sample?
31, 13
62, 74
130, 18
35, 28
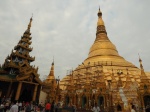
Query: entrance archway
119, 107
101, 101
84, 101
147, 100
76, 100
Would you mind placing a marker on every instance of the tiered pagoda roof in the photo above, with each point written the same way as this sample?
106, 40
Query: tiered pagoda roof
17, 64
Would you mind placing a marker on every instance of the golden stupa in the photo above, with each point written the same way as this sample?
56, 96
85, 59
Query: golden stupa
51, 86
105, 78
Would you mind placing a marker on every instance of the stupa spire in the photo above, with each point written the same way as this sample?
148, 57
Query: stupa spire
99, 13
29, 26
53, 61
141, 65
144, 84
52, 70
100, 23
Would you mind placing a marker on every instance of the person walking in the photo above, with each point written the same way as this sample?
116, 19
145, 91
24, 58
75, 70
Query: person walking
47, 107
52, 107
20, 106
14, 107
28, 107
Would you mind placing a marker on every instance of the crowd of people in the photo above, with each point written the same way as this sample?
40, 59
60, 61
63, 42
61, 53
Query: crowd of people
17, 106
47, 107
30, 107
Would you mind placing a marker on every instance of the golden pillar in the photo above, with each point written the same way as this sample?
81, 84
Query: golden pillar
75, 100
9, 89
35, 92
18, 91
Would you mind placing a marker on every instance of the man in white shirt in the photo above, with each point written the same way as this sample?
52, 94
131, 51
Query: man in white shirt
20, 106
14, 107
96, 108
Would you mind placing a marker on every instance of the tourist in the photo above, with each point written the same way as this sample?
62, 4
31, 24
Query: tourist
74, 108
147, 108
57, 107
52, 106
7, 106
133, 108
28, 107
96, 108
14, 107
2, 107
47, 107
20, 106
23, 105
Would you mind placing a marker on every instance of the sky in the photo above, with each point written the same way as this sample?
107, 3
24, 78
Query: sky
66, 29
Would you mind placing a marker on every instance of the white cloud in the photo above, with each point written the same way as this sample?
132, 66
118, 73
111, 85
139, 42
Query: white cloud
66, 30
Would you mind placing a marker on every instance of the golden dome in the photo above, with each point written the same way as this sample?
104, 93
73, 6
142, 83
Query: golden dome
103, 50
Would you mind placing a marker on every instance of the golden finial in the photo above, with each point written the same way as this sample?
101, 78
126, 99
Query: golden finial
53, 61
141, 66
99, 13
139, 58
100, 21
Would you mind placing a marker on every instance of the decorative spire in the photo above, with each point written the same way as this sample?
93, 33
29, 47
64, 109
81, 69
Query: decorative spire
144, 84
52, 70
29, 25
53, 61
100, 20
141, 65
